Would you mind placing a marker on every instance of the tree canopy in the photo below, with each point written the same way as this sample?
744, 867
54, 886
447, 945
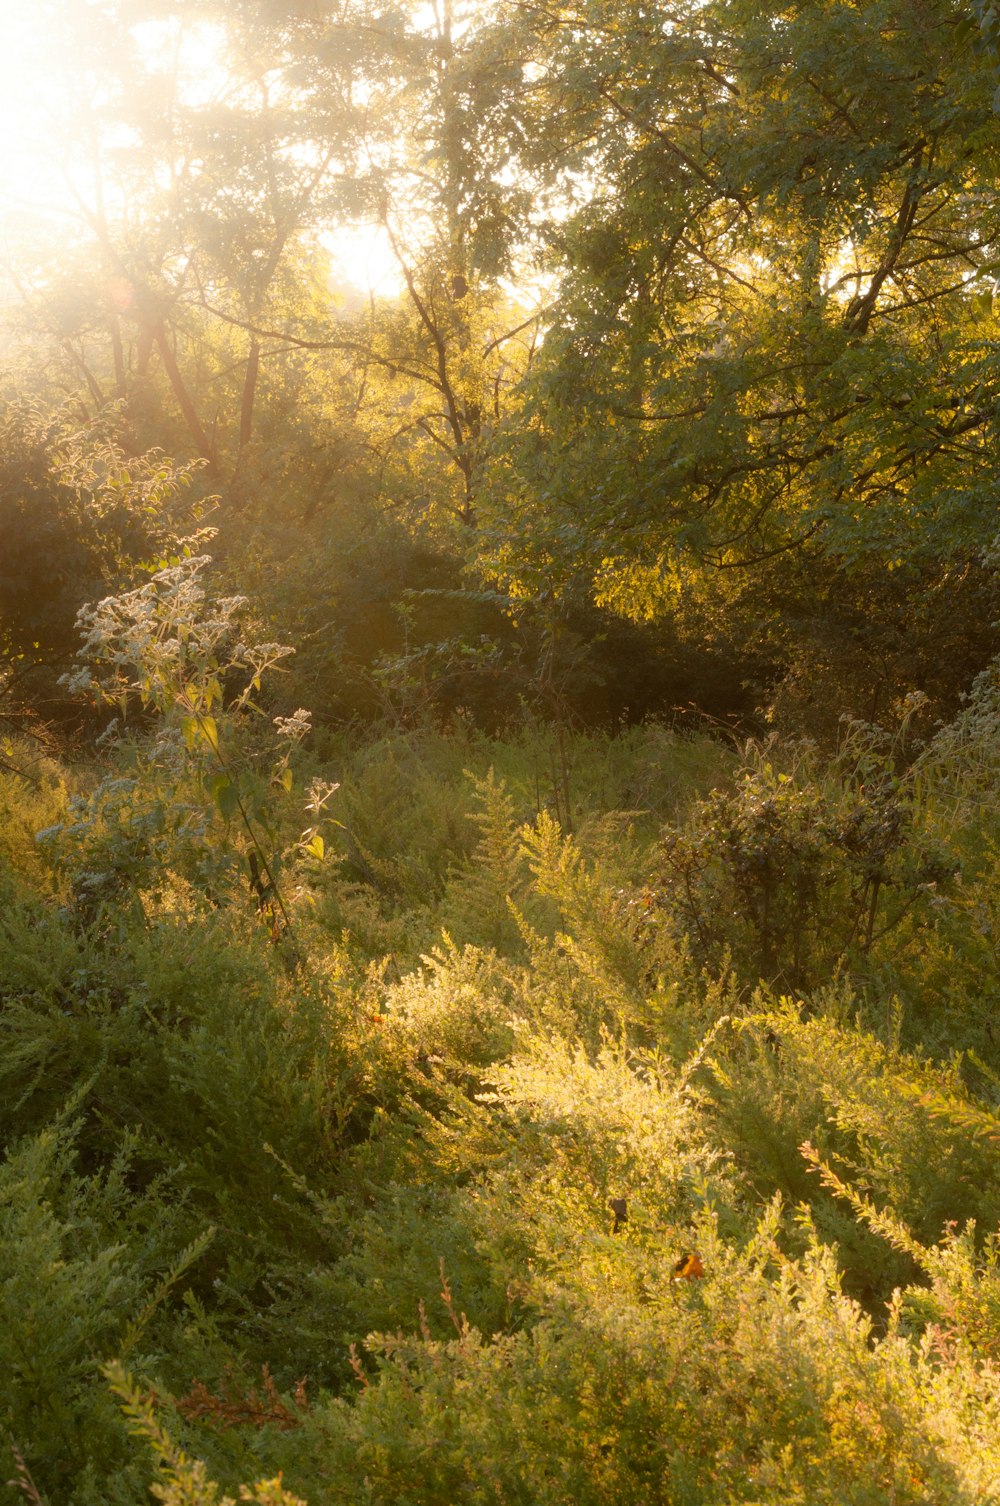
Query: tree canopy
687, 311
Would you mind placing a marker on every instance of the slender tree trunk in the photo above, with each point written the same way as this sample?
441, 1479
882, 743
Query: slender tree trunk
247, 403
249, 394
205, 446
118, 352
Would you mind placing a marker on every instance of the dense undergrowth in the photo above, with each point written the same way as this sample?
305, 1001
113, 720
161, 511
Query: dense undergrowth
443, 1098
355, 1160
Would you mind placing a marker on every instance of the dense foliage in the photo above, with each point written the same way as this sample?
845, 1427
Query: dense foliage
499, 773
383, 1191
690, 324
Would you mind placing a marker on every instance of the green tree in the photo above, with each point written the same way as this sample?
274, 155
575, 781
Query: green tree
202, 156
774, 340
213, 150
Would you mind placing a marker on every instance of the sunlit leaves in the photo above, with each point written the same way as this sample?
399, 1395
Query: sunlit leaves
770, 360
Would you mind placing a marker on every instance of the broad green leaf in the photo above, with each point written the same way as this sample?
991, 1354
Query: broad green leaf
225, 795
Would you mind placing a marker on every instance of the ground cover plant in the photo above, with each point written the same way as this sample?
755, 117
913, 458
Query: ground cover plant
395, 1198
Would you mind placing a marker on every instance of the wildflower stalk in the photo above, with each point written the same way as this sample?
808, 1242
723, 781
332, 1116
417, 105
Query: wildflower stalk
210, 734
170, 648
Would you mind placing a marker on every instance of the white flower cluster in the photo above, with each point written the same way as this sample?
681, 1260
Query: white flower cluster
319, 793
167, 644
295, 726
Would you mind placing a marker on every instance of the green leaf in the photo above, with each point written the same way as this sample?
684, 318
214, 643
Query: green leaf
225, 795
200, 730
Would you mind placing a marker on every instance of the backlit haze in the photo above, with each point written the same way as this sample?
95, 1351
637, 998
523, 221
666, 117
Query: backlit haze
41, 173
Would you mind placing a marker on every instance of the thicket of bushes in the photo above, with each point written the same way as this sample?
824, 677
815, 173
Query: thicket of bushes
361, 1096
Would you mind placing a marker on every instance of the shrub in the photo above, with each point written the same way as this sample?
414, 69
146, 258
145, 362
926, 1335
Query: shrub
794, 876
78, 517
